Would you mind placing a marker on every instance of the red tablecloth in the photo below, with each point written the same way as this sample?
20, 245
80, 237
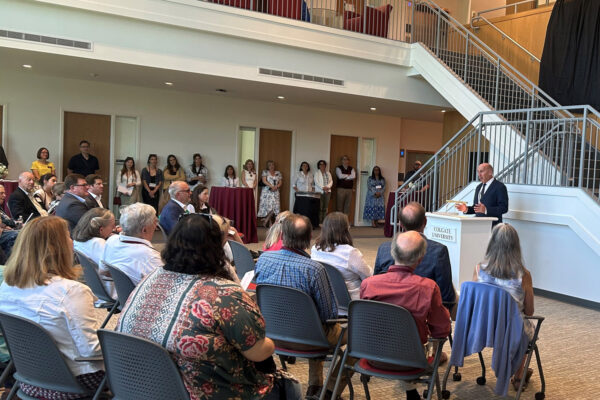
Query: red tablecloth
388, 229
237, 204
9, 187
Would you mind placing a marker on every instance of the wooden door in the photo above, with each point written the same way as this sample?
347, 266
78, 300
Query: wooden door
343, 146
95, 128
276, 145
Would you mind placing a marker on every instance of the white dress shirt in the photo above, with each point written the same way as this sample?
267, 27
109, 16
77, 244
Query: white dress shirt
97, 198
189, 208
230, 182
304, 182
349, 261
65, 308
320, 181
134, 256
340, 175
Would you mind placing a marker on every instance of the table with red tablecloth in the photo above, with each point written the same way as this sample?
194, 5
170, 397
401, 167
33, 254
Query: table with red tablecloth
237, 204
388, 229
9, 187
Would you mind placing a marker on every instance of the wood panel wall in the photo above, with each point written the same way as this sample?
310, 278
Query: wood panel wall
528, 28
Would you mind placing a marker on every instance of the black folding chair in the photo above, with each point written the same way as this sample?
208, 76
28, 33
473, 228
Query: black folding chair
138, 369
291, 316
387, 334
242, 258
94, 281
37, 359
123, 284
340, 290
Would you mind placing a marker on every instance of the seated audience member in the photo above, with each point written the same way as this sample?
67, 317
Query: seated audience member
180, 194
334, 247
229, 179
204, 319
292, 267
421, 296
200, 197
131, 250
58, 191
273, 241
73, 204
4, 354
21, 202
42, 166
503, 267
44, 195
95, 190
40, 284
229, 233
436, 263
8, 226
91, 232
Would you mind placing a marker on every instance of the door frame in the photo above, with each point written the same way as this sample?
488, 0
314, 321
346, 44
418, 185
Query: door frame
359, 157
4, 126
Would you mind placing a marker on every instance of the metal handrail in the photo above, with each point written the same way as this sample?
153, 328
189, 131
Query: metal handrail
511, 5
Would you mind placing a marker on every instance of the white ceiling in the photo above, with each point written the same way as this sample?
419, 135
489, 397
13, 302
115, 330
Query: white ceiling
128, 74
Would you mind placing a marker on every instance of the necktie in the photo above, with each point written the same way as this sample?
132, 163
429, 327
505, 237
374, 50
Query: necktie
481, 192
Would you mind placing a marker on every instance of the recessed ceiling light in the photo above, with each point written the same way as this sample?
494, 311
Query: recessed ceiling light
221, 90
169, 83
27, 66
373, 108
281, 97
94, 75
443, 110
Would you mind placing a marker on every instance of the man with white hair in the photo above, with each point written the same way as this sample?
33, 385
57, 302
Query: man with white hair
21, 203
181, 195
131, 250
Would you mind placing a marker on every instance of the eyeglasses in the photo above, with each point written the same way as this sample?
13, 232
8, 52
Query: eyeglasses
82, 184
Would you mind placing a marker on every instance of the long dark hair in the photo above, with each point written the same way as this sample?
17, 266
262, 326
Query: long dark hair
194, 170
195, 247
124, 169
172, 168
195, 193
335, 231
373, 173
226, 168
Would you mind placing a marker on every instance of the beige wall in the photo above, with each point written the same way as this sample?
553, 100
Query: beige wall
420, 136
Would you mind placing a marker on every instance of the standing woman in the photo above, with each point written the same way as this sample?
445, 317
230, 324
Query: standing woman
249, 178
129, 184
374, 205
200, 197
197, 173
229, 179
44, 195
152, 179
305, 203
173, 172
269, 197
42, 166
323, 184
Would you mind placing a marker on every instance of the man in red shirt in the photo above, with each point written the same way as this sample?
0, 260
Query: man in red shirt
421, 296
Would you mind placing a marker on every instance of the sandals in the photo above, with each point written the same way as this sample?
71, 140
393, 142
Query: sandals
516, 382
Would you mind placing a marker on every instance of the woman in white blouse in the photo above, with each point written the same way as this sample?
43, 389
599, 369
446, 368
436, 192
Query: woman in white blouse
334, 247
128, 186
323, 184
229, 179
40, 284
91, 232
249, 178
306, 202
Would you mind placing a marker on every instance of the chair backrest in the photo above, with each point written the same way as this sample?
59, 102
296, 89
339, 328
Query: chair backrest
339, 286
92, 278
290, 315
242, 258
286, 8
384, 332
37, 359
164, 233
138, 369
377, 20
123, 284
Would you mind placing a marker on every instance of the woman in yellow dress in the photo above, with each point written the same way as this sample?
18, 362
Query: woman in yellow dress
42, 166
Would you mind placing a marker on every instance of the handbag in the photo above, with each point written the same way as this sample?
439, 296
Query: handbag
117, 200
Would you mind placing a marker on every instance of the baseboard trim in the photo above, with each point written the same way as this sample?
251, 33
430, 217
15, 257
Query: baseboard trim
567, 299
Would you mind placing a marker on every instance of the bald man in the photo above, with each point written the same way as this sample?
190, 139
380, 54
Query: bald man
402, 287
491, 196
21, 203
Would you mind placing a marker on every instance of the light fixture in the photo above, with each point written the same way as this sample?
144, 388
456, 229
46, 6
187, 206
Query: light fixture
28, 66
281, 97
373, 108
169, 83
94, 75
443, 111
221, 90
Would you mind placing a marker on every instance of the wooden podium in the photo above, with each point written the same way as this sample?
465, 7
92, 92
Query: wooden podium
466, 237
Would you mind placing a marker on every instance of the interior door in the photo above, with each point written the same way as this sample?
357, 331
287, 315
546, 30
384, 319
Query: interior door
276, 145
95, 128
340, 146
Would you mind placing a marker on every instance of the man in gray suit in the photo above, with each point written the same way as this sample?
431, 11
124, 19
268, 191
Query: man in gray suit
73, 204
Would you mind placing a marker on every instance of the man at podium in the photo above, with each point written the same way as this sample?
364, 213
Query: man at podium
491, 196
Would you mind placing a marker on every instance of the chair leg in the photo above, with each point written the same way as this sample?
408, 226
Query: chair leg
446, 374
541, 371
350, 388
481, 379
7, 371
100, 388
332, 365
13, 391
525, 367
365, 381
438, 389
339, 377
282, 360
110, 314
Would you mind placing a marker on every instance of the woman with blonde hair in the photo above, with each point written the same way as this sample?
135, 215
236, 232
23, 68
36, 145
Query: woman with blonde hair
273, 240
40, 284
91, 232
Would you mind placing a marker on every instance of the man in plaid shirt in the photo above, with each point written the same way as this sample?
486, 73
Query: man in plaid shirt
292, 267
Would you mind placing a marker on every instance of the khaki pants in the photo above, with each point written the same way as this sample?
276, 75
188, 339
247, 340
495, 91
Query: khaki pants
344, 197
325, 197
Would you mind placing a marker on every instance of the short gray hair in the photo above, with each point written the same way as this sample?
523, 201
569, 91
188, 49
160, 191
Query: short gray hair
135, 217
411, 250
174, 188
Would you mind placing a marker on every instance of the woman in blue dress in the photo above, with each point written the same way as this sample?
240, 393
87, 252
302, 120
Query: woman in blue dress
374, 205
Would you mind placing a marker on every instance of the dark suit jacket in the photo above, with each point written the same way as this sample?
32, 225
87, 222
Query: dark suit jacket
90, 202
495, 200
71, 209
21, 206
170, 215
435, 266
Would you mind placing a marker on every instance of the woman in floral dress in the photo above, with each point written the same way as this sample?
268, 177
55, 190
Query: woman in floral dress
269, 197
374, 205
